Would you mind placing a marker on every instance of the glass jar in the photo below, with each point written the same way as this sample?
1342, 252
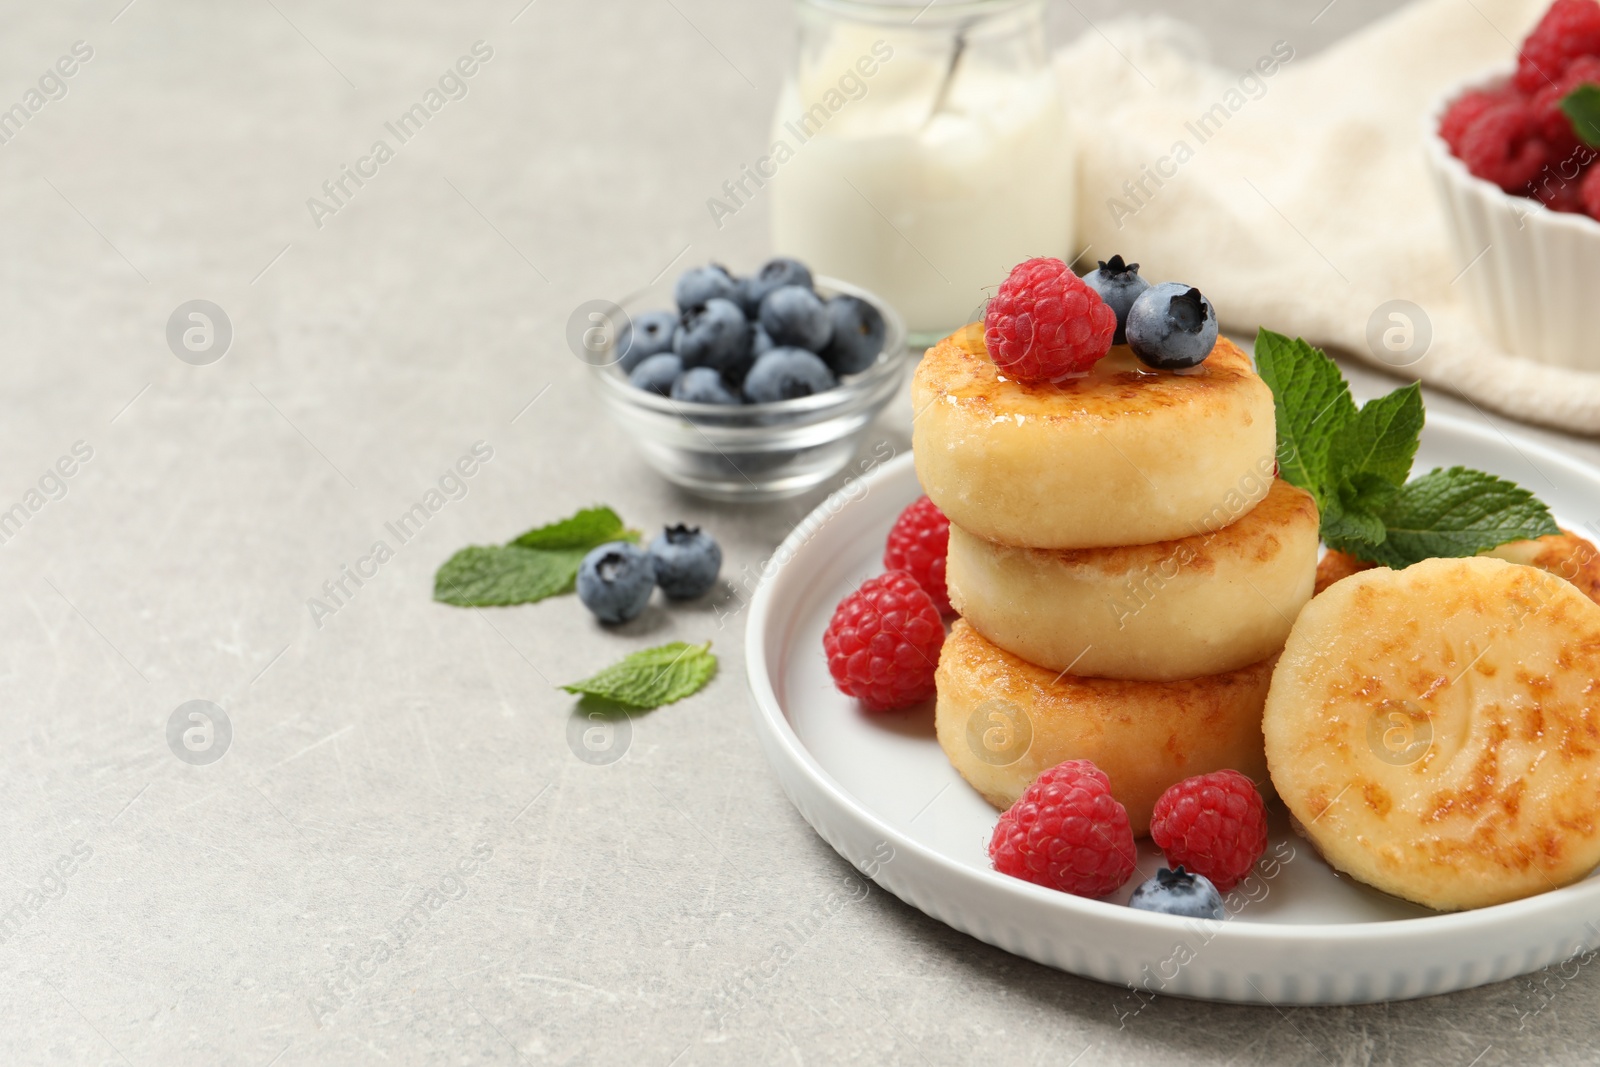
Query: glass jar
920, 150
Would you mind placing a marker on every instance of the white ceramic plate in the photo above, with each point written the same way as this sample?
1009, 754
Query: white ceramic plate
880, 791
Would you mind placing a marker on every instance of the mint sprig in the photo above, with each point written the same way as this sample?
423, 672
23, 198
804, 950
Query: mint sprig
483, 576
1582, 107
1311, 399
1355, 462
1457, 512
588, 529
543, 562
652, 677
1381, 440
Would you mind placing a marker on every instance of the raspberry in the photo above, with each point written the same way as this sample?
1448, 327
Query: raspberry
1214, 824
918, 542
1503, 146
1571, 28
1045, 324
1553, 124
1066, 832
883, 643
1590, 191
1559, 195
1467, 109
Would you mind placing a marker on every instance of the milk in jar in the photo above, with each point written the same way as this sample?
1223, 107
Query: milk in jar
929, 153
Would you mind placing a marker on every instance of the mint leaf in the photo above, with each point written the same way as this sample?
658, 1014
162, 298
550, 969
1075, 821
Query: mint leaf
1456, 512
1311, 401
1355, 462
1381, 439
1369, 458
655, 676
496, 575
540, 563
1582, 106
588, 529
1355, 532
1353, 519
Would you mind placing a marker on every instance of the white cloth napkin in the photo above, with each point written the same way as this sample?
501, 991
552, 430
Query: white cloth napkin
1310, 205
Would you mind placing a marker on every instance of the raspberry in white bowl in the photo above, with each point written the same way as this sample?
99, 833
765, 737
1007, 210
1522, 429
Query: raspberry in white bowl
1520, 183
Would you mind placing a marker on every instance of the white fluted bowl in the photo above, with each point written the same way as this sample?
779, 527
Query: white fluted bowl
1530, 273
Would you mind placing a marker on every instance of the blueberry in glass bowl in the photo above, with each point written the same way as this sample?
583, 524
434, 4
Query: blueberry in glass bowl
781, 419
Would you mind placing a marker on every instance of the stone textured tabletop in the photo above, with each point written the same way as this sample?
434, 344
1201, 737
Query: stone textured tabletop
399, 859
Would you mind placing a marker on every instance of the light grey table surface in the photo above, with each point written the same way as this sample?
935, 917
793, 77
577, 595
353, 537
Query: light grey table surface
233, 912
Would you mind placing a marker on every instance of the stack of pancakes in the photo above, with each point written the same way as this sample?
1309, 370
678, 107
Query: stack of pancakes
1125, 563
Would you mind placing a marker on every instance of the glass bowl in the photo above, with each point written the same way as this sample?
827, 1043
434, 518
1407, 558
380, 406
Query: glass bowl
752, 452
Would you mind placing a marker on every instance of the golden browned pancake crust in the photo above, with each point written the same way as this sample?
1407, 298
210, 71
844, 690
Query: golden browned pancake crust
1199, 605
1002, 721
1436, 730
1566, 555
1121, 456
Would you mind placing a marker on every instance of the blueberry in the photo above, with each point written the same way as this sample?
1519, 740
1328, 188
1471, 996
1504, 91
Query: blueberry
615, 580
858, 331
711, 282
774, 274
797, 317
1171, 326
657, 373
646, 336
1178, 893
785, 373
702, 385
1119, 285
716, 335
686, 561
759, 342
